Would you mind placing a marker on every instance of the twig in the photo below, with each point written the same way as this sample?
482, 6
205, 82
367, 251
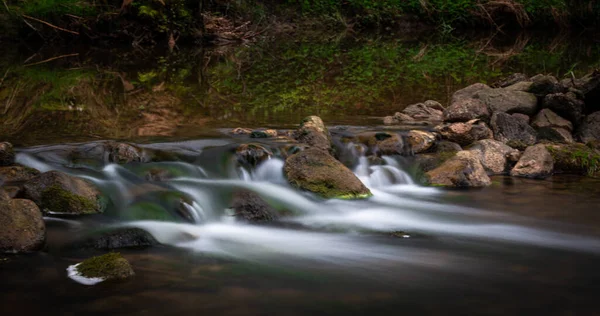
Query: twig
50, 25
4, 77
51, 59
6, 6
29, 24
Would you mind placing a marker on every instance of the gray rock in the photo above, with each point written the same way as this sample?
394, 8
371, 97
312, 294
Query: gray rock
523, 117
23, 228
566, 105
252, 154
462, 170
503, 100
547, 118
536, 162
249, 206
465, 133
467, 109
510, 80
313, 132
123, 153
555, 135
120, 238
383, 143
468, 92
590, 129
520, 86
431, 111
543, 85
493, 155
509, 129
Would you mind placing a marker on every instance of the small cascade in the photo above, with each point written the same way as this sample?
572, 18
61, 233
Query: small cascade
382, 176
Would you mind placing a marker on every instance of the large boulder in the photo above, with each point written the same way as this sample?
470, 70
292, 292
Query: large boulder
512, 131
313, 132
429, 111
543, 85
465, 133
249, 206
252, 154
494, 155
590, 129
111, 266
566, 105
466, 109
547, 118
468, 92
461, 171
22, 226
17, 174
509, 101
420, 141
58, 193
575, 158
7, 154
536, 162
316, 171
127, 237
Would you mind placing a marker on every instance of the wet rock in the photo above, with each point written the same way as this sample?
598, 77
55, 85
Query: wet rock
590, 129
465, 133
313, 132
56, 192
267, 133
111, 266
7, 154
23, 227
566, 105
462, 170
123, 153
543, 85
429, 161
420, 141
158, 175
241, 131
575, 159
249, 206
252, 154
536, 162
547, 118
291, 149
128, 237
494, 155
430, 111
375, 160
383, 143
17, 174
511, 130
316, 171
503, 100
510, 80
467, 109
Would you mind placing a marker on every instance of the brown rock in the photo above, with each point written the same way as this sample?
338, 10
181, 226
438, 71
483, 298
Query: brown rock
462, 170
23, 227
465, 133
536, 162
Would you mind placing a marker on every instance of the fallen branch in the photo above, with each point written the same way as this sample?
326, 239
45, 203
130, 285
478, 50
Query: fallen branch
51, 59
50, 25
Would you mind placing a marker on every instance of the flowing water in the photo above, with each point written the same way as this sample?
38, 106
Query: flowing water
517, 247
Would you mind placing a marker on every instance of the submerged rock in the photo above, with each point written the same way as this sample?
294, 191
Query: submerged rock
111, 266
461, 171
316, 171
17, 174
536, 162
7, 154
465, 133
312, 131
249, 206
252, 154
494, 155
58, 193
22, 226
512, 131
590, 129
121, 238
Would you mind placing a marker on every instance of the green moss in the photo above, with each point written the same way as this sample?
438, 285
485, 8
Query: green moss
58, 200
328, 191
576, 158
148, 211
109, 266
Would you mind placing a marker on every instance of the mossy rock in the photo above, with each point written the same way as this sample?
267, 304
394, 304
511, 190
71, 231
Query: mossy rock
58, 200
316, 171
575, 158
17, 173
313, 132
109, 266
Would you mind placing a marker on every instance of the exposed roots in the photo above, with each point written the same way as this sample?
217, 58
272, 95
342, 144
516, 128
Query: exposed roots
493, 11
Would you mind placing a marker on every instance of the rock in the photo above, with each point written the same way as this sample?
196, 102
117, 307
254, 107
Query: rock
420, 141
566, 105
312, 131
493, 155
249, 206
56, 192
389, 120
123, 153
375, 160
401, 117
536, 162
7, 154
543, 85
111, 266
382, 143
465, 133
590, 129
510, 80
252, 154
267, 133
555, 135
17, 174
590, 88
4, 195
444, 146
127, 237
468, 92
430, 111
462, 170
23, 227
575, 158
316, 171
508, 129
241, 131
465, 109
520, 86
503, 100
523, 117
158, 174
547, 118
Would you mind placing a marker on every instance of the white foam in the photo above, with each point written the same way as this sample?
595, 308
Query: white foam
74, 274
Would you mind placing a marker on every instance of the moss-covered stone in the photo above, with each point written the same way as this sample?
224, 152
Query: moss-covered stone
58, 200
575, 158
109, 266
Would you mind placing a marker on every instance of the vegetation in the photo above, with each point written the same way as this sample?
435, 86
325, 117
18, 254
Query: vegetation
109, 266
576, 158
57, 200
